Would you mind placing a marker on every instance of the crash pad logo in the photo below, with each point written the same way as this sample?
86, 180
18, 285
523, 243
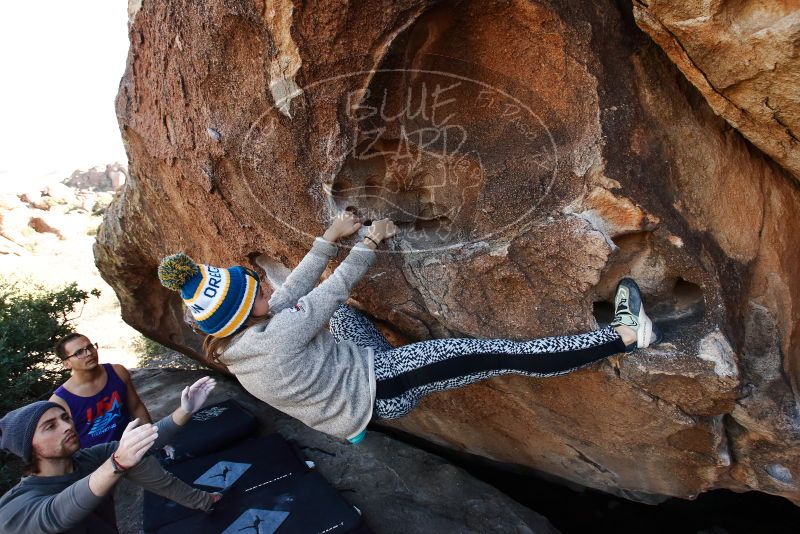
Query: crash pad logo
453, 153
223, 475
108, 412
209, 413
257, 521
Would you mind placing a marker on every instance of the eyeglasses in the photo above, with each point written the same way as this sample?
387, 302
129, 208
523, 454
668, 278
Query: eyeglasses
83, 352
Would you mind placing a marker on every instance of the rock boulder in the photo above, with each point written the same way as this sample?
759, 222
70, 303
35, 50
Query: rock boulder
532, 153
742, 57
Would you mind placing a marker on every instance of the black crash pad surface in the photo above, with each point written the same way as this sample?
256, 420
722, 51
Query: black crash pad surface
212, 429
262, 478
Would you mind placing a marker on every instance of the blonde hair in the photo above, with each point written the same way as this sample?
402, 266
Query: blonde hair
213, 347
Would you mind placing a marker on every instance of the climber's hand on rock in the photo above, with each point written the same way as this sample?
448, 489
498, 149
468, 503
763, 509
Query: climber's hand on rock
344, 224
382, 229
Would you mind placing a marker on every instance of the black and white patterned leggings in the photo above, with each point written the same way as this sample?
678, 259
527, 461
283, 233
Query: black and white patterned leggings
406, 374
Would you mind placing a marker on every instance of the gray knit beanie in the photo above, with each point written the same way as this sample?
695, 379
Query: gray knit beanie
18, 426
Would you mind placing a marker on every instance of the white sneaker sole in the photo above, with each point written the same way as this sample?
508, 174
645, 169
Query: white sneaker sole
644, 334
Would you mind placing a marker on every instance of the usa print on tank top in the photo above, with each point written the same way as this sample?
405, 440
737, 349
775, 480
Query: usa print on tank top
102, 417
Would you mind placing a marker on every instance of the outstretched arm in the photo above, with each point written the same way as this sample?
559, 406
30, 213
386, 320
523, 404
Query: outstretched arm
151, 476
192, 399
306, 275
312, 311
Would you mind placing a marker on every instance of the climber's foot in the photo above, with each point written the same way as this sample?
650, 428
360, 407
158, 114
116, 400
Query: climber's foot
630, 321
627, 334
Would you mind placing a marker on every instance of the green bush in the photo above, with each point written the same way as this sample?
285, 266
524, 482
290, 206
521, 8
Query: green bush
32, 319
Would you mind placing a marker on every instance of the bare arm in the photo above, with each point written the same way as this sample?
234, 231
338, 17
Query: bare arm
102, 481
61, 402
136, 407
135, 442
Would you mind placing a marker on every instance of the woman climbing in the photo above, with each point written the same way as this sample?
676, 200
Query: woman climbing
337, 380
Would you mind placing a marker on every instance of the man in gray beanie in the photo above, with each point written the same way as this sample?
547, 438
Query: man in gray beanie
18, 426
68, 489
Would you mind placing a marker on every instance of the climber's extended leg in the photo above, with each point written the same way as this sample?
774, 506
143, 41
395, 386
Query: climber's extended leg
406, 374
347, 323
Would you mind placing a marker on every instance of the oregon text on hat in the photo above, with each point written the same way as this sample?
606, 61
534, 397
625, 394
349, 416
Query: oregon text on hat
220, 299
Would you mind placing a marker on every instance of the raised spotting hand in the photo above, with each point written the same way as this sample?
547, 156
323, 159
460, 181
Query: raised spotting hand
194, 397
136, 440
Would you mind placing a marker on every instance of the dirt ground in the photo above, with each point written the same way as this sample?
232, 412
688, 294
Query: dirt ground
54, 261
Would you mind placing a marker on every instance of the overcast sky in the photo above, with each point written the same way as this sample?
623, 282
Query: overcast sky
60, 67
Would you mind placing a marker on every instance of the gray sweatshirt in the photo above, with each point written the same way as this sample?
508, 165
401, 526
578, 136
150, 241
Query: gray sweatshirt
66, 504
292, 361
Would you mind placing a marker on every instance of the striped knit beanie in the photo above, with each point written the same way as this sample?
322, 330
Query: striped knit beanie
219, 299
18, 426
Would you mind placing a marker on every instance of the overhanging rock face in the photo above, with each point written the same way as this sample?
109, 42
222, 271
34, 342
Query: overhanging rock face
532, 154
742, 56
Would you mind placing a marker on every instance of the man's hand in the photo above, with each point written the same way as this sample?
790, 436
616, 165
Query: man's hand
344, 224
194, 397
136, 440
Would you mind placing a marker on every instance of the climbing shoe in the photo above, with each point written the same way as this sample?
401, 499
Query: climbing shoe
629, 311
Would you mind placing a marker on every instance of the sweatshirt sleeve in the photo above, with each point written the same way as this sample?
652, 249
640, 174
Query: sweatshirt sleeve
305, 276
31, 512
151, 476
301, 323
167, 430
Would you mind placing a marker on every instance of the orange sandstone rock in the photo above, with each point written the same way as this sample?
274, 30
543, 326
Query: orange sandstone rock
532, 153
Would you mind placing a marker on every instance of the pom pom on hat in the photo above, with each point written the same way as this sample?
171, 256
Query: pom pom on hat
176, 270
